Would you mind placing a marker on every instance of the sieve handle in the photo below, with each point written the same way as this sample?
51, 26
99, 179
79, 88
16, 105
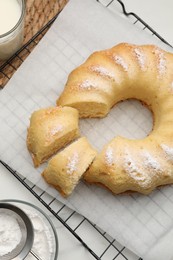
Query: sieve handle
35, 255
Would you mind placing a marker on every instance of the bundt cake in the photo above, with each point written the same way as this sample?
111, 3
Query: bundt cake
127, 71
51, 129
66, 168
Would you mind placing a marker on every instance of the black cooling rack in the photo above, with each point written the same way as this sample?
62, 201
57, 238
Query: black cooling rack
111, 249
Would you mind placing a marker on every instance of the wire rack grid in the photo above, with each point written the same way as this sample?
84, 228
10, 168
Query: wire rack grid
110, 248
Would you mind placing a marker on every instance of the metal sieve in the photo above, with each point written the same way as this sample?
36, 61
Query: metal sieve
27, 231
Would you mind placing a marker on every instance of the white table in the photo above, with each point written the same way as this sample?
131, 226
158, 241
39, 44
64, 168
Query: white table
10, 188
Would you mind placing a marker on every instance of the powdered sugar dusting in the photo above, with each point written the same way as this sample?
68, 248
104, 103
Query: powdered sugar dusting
109, 156
56, 130
140, 57
72, 163
102, 71
150, 162
168, 150
162, 61
130, 165
120, 61
135, 171
87, 84
52, 132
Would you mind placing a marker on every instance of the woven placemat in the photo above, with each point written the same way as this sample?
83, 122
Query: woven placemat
38, 14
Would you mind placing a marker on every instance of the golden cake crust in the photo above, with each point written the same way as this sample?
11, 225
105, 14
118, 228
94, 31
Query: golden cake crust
127, 71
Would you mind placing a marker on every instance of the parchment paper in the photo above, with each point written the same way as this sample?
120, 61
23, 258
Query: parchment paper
141, 223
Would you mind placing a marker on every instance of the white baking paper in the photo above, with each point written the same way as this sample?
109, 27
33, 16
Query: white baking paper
141, 223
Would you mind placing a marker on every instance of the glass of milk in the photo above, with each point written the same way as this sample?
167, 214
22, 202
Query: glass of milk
12, 14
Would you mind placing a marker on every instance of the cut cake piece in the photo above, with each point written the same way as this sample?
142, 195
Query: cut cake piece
66, 168
50, 130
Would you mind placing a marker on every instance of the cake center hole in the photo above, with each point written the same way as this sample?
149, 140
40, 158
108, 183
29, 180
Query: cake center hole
128, 118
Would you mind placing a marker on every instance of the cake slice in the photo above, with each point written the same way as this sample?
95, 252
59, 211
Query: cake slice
66, 168
50, 130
